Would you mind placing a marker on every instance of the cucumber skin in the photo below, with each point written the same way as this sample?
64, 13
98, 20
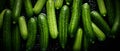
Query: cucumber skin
38, 6
58, 4
100, 22
23, 27
78, 40
87, 23
75, 17
16, 41
51, 18
43, 30
28, 8
99, 34
32, 31
1, 18
7, 31
16, 10
102, 7
63, 25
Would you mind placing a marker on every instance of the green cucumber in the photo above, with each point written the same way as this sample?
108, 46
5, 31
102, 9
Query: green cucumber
116, 25
1, 17
102, 7
63, 23
99, 34
68, 2
58, 4
38, 6
32, 31
75, 17
7, 31
16, 10
87, 23
51, 17
100, 22
28, 8
43, 30
16, 38
78, 40
23, 27
86, 43
110, 11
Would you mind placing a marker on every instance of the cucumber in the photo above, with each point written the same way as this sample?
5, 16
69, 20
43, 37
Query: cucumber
7, 31
16, 41
51, 18
110, 11
68, 2
78, 40
23, 27
38, 6
116, 25
58, 4
28, 8
99, 34
43, 30
86, 43
75, 17
16, 10
63, 23
32, 31
100, 22
102, 8
87, 23
1, 17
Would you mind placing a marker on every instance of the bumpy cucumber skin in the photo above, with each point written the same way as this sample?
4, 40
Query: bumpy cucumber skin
51, 18
87, 23
38, 6
28, 8
1, 17
58, 4
32, 31
75, 17
99, 34
7, 31
63, 25
102, 7
78, 40
43, 30
16, 38
100, 22
16, 10
23, 27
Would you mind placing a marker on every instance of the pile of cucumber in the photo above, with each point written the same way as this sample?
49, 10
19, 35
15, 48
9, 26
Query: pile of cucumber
21, 21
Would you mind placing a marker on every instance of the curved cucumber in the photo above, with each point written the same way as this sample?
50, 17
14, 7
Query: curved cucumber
32, 31
7, 31
87, 23
23, 27
16, 38
99, 34
101, 7
16, 10
78, 40
43, 30
75, 17
58, 4
28, 7
100, 22
1, 17
63, 23
38, 6
51, 18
